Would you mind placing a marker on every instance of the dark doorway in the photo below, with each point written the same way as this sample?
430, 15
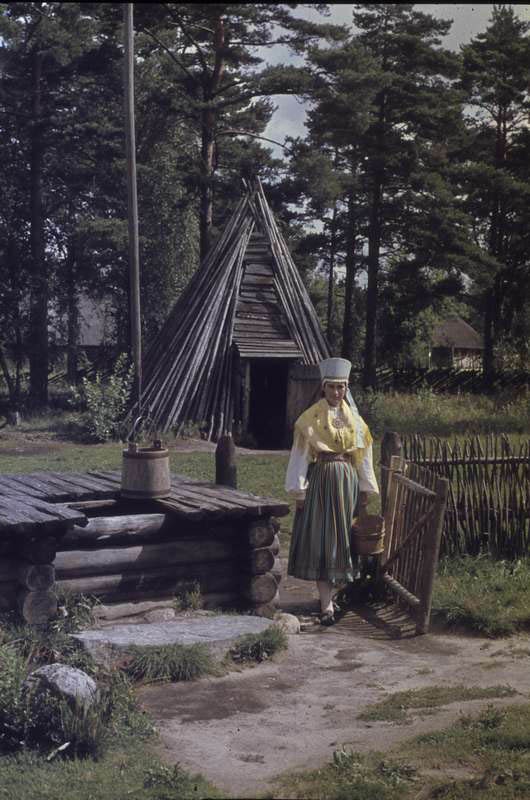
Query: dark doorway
268, 398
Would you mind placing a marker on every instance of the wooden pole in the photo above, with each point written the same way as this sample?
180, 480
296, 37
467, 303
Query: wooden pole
430, 557
390, 446
132, 203
225, 462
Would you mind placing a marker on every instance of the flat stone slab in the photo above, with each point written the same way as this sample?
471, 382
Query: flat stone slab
219, 633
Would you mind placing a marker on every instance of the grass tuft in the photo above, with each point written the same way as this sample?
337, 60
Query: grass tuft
259, 646
394, 707
172, 662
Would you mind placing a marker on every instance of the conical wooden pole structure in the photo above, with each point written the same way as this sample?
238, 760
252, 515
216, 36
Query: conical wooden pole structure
132, 204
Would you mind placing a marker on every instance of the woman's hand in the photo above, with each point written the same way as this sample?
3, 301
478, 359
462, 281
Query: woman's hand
299, 505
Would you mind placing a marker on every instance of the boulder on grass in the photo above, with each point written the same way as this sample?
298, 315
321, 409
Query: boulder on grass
73, 685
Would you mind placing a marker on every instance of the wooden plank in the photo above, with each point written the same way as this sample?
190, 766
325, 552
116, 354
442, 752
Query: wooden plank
97, 485
249, 500
49, 491
255, 503
180, 510
54, 491
112, 476
396, 587
30, 483
255, 267
261, 330
413, 486
250, 307
21, 509
10, 484
245, 352
35, 506
252, 323
61, 481
15, 510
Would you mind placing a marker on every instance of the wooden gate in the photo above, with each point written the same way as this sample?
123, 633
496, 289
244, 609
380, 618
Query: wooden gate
414, 515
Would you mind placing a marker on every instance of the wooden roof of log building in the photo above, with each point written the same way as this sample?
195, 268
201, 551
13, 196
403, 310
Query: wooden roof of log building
454, 332
246, 300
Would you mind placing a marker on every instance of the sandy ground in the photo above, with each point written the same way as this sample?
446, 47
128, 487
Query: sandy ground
243, 730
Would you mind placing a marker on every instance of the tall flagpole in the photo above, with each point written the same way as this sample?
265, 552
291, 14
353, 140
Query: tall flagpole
132, 204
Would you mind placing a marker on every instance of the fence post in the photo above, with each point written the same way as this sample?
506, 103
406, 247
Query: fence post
430, 556
390, 446
225, 462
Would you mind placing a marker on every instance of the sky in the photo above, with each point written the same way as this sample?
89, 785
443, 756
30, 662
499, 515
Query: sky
468, 21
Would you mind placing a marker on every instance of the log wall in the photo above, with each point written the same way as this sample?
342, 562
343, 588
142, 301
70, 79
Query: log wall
131, 556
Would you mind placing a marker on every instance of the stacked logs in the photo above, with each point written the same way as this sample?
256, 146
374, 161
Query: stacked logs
154, 556
262, 590
27, 577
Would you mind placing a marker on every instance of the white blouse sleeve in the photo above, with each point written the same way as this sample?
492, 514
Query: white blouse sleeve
296, 478
365, 470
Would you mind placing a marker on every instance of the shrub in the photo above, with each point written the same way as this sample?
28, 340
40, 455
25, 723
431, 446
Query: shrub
106, 400
259, 646
74, 730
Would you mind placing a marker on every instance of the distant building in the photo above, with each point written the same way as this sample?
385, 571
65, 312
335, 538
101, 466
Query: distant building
96, 326
454, 343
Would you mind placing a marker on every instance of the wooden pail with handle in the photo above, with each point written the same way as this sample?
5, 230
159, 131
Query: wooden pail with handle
368, 535
145, 470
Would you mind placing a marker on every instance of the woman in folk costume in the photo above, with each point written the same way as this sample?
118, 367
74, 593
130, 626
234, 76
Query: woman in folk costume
330, 473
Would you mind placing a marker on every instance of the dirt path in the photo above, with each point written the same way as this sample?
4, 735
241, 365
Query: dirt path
243, 730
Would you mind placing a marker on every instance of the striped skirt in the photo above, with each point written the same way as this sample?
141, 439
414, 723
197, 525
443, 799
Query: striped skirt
320, 544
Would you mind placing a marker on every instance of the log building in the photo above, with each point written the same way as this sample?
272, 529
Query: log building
238, 351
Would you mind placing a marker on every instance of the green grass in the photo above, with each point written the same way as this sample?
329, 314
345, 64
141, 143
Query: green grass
124, 773
481, 757
482, 595
171, 662
350, 776
259, 646
394, 707
49, 750
446, 415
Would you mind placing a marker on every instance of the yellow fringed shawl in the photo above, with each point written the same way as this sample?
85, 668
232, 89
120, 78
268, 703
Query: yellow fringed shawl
315, 425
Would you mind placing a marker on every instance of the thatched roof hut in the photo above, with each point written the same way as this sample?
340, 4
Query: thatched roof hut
223, 357
455, 343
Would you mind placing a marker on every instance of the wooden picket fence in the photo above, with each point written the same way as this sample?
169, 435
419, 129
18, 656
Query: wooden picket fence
488, 508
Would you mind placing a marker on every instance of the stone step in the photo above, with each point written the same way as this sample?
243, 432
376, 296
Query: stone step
219, 632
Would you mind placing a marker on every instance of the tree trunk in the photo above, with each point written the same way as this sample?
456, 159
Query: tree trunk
207, 170
331, 276
208, 121
7, 376
374, 246
38, 335
348, 332
73, 316
492, 311
488, 366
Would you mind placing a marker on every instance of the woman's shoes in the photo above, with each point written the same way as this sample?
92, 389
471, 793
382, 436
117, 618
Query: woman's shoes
327, 619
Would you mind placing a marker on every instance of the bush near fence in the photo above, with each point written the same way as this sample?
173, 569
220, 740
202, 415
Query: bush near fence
488, 508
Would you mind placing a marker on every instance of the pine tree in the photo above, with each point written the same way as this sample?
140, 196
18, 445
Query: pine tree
220, 80
495, 180
410, 116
